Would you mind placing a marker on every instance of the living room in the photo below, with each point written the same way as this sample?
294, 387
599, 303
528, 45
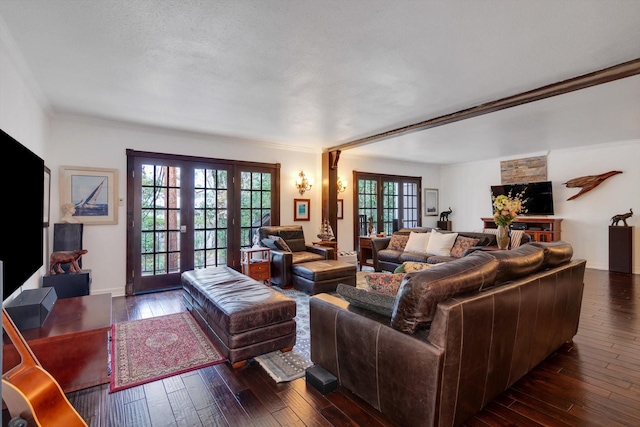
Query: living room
63, 138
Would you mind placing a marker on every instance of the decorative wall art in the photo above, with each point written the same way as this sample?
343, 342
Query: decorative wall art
301, 210
93, 191
430, 202
530, 169
340, 209
588, 183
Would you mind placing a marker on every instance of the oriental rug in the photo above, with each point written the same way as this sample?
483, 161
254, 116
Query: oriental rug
151, 349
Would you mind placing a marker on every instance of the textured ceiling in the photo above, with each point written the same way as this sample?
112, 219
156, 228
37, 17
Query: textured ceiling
316, 74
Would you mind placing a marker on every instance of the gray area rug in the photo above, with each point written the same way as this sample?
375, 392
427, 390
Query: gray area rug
288, 366
292, 364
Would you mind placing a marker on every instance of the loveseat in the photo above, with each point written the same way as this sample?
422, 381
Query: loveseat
390, 252
458, 334
289, 251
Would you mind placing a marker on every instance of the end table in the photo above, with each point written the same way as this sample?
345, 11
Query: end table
256, 263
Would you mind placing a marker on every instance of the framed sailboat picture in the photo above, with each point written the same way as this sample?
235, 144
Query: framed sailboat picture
93, 192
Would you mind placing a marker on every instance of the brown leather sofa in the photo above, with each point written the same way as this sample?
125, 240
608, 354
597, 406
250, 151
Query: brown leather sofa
281, 260
387, 259
460, 333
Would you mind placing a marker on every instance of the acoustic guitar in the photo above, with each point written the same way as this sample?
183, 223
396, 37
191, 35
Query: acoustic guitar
30, 392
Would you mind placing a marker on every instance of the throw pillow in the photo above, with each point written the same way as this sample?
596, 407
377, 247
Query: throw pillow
269, 243
461, 245
417, 242
398, 242
384, 283
411, 266
441, 243
399, 269
378, 303
280, 243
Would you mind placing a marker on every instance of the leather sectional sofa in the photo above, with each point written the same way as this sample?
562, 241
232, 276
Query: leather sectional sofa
459, 334
388, 258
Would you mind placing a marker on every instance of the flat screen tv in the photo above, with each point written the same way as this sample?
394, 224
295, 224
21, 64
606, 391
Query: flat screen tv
22, 195
539, 196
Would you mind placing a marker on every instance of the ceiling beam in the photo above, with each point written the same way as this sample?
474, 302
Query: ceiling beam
606, 75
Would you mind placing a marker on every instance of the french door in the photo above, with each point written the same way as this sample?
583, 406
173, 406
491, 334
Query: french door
187, 213
387, 202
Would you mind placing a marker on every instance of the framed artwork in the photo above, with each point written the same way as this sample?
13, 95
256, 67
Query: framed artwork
46, 209
340, 209
430, 202
93, 191
301, 210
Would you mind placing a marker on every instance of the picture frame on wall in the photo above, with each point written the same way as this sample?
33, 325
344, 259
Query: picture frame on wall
46, 206
93, 191
301, 210
340, 211
430, 202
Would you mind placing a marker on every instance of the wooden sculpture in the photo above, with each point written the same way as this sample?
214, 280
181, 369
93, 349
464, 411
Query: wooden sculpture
588, 183
63, 257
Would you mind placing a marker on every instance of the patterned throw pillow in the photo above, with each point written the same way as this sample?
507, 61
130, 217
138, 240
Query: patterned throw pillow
398, 242
461, 245
384, 283
411, 266
280, 243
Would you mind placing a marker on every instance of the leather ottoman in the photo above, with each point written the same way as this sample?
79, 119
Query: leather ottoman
243, 317
322, 276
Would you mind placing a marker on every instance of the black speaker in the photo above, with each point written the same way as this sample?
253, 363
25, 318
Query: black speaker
31, 308
321, 379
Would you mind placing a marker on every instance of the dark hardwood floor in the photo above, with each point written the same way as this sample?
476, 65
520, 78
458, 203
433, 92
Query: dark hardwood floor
594, 381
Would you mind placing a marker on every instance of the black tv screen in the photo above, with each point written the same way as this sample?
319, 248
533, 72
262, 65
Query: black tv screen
539, 196
22, 195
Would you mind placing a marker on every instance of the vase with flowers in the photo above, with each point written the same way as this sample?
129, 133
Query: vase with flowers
506, 209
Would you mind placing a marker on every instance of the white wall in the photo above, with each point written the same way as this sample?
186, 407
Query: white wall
585, 220
23, 117
430, 179
87, 142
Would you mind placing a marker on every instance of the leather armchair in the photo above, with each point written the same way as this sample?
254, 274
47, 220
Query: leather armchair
282, 261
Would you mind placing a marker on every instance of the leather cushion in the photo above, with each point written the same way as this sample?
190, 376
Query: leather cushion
421, 291
317, 271
555, 253
518, 262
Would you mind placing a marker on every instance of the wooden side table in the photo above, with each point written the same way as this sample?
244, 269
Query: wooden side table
365, 251
256, 263
72, 343
330, 244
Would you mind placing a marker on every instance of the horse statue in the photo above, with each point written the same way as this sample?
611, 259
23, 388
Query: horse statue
444, 215
622, 217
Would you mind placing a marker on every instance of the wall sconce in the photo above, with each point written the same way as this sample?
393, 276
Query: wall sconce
302, 183
342, 185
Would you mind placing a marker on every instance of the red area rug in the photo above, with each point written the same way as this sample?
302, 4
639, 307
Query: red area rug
151, 349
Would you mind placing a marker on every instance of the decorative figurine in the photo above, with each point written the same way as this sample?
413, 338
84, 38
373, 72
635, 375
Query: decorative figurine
68, 210
622, 217
444, 215
370, 228
63, 257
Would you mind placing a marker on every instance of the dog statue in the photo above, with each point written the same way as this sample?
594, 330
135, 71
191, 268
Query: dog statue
621, 217
63, 257
444, 215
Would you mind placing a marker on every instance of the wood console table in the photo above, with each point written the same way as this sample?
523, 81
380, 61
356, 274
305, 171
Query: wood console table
365, 254
540, 229
72, 343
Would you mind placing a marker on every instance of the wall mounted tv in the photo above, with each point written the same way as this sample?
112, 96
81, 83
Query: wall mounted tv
22, 195
539, 196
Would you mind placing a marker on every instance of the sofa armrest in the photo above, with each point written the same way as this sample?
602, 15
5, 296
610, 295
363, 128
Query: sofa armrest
378, 244
396, 373
281, 262
325, 251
